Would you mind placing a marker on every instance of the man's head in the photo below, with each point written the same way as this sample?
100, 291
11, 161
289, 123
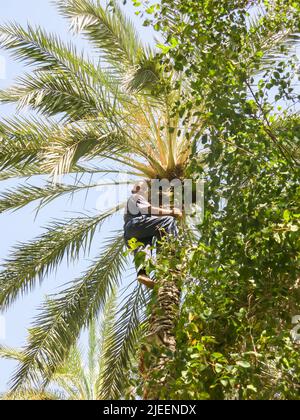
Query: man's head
140, 187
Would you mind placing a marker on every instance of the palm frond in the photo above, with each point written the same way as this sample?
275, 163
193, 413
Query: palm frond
52, 93
57, 148
22, 140
87, 139
36, 259
11, 353
147, 77
21, 171
33, 170
107, 322
62, 76
110, 31
69, 377
30, 395
92, 357
267, 43
17, 198
123, 337
62, 73
35, 46
59, 324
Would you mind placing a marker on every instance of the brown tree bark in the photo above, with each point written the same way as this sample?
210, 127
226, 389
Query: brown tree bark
159, 346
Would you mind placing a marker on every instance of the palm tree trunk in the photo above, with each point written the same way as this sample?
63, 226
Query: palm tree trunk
159, 346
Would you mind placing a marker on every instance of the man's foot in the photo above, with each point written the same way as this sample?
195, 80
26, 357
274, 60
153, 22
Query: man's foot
145, 280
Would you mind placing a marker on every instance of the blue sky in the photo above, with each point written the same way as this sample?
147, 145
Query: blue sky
21, 225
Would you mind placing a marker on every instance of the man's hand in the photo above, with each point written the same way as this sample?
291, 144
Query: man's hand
177, 213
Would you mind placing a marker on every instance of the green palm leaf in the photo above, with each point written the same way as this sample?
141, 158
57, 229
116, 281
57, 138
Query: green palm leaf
59, 324
10, 353
74, 378
36, 259
108, 320
265, 44
22, 141
64, 81
121, 344
52, 94
35, 46
111, 32
16, 198
30, 395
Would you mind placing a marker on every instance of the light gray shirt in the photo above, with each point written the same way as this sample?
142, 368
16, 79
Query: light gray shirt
137, 205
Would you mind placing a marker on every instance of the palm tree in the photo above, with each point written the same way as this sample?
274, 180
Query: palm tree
79, 377
112, 115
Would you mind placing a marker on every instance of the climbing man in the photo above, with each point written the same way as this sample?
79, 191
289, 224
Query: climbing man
145, 222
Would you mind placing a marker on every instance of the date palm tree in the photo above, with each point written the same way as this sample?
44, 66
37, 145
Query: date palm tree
113, 114
109, 116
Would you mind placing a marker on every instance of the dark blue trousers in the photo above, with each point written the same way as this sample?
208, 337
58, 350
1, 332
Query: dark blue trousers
145, 228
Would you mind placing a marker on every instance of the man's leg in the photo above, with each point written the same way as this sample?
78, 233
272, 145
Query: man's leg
142, 275
149, 226
145, 227
146, 249
140, 268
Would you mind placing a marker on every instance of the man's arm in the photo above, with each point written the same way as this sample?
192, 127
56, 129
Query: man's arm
157, 211
146, 208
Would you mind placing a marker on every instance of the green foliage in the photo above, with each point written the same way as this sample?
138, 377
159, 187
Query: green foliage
234, 335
